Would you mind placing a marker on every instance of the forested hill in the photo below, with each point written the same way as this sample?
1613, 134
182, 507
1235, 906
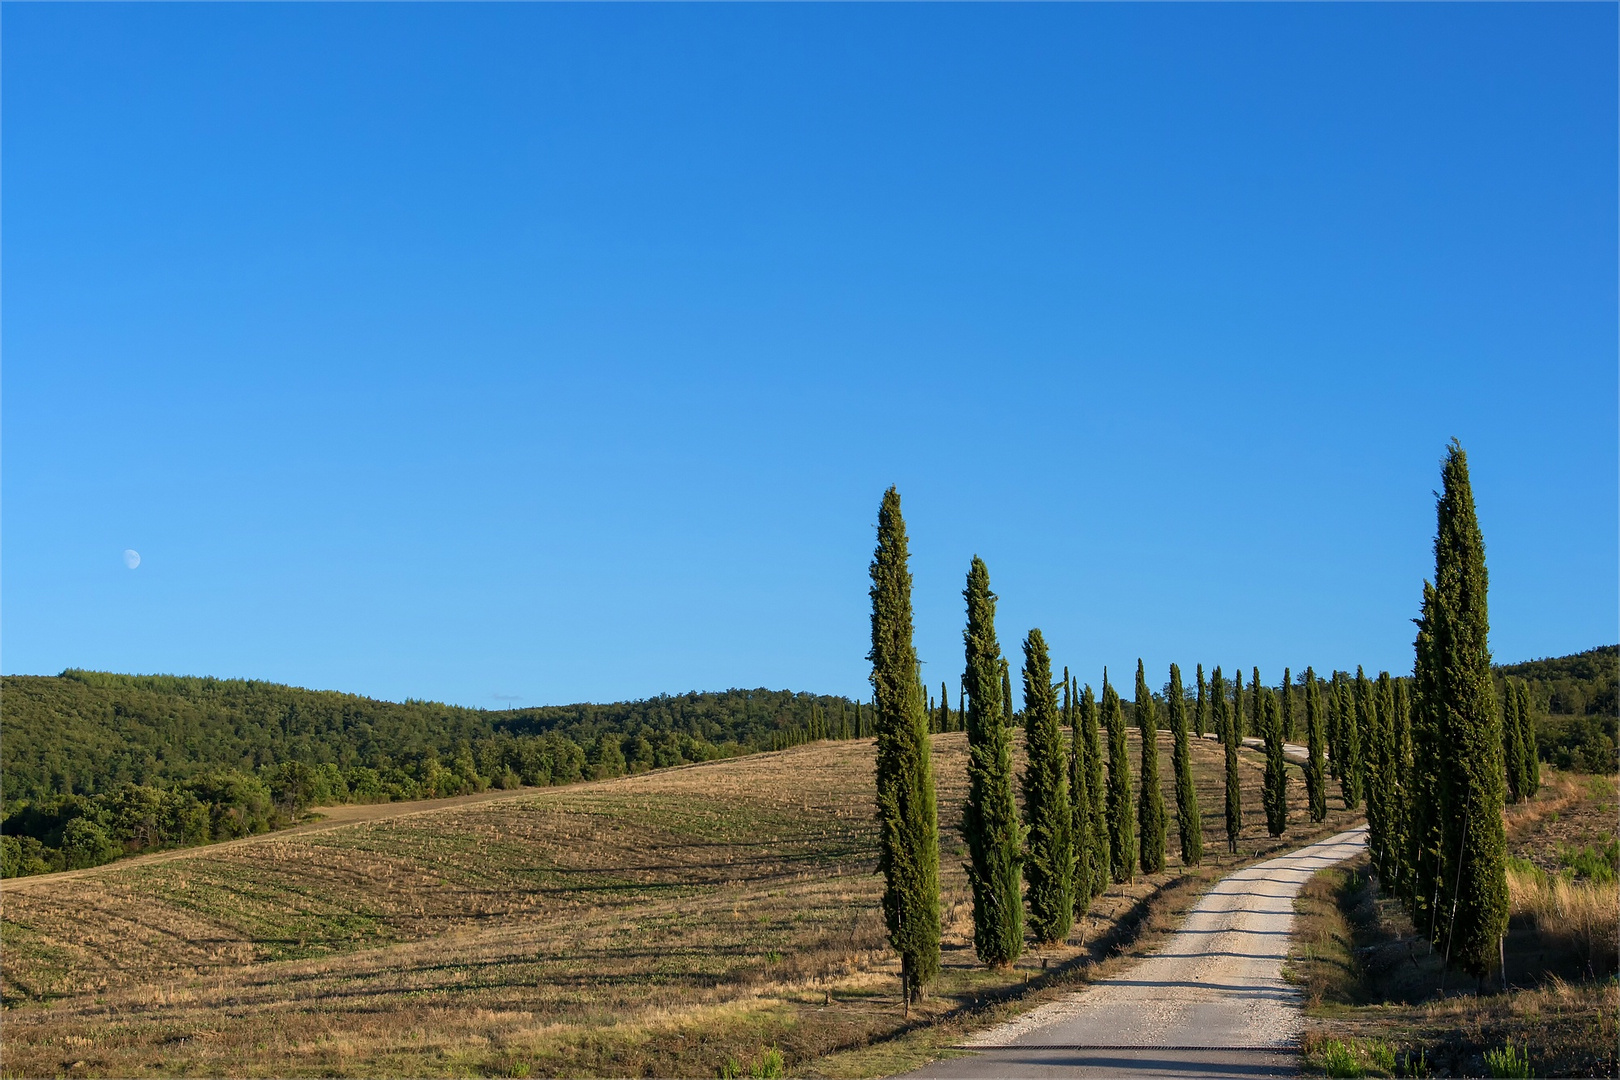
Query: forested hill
1578, 699
89, 732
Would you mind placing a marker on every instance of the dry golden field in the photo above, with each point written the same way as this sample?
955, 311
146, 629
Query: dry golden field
662, 924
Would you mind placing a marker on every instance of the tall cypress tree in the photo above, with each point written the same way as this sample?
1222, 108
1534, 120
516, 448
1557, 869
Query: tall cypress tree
1202, 716
1527, 742
1188, 823
1287, 704
1096, 790
1475, 846
990, 817
1275, 798
1425, 843
1315, 778
908, 816
1085, 862
1229, 742
1121, 819
1330, 712
1512, 756
1008, 717
1402, 810
1235, 721
1367, 720
1387, 761
1257, 725
1150, 796
1349, 742
1049, 847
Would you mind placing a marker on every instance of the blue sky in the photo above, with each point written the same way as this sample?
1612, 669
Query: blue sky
533, 354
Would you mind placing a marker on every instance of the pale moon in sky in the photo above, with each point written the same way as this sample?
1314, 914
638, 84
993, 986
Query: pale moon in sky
132, 558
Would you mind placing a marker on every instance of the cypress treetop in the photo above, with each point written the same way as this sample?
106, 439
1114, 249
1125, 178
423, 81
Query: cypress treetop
1202, 715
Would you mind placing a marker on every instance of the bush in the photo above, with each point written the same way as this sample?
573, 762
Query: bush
84, 843
1508, 1061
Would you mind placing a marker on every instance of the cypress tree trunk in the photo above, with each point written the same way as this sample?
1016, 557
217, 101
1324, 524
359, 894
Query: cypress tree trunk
1276, 789
990, 817
1315, 778
1049, 848
1095, 788
1188, 824
1083, 830
1121, 824
1202, 716
1150, 796
1350, 742
908, 816
1471, 767
1288, 705
1229, 741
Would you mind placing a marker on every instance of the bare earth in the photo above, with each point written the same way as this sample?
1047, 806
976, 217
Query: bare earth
1212, 1003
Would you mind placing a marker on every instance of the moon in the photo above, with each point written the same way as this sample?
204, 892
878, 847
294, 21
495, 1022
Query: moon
132, 558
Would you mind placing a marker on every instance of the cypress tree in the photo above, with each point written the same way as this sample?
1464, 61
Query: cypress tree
1331, 714
1288, 705
1049, 847
1424, 840
1527, 742
1257, 716
1387, 762
1402, 809
990, 817
1367, 720
1315, 778
1229, 741
1150, 796
1235, 721
1471, 768
1350, 743
1008, 717
1512, 756
1121, 823
1202, 716
1188, 823
908, 816
1276, 790
1095, 788
1083, 829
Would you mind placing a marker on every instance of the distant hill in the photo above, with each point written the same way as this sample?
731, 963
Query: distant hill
1578, 699
160, 760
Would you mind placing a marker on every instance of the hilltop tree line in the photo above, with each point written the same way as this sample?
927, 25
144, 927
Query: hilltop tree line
97, 766
1433, 756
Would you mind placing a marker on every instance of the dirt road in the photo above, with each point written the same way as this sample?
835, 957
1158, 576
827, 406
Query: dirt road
1211, 1003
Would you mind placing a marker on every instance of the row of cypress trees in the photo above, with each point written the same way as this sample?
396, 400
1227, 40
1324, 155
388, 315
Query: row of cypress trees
1431, 755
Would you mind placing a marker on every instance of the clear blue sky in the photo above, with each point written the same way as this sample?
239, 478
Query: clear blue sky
555, 353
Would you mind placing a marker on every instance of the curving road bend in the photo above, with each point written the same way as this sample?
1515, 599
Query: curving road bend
1212, 1002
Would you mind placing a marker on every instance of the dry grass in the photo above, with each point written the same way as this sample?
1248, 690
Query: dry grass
1579, 916
652, 925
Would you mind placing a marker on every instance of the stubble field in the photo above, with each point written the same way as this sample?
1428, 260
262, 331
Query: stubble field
663, 924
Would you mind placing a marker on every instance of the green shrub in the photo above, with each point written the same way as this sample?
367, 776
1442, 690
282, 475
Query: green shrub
1508, 1061
1337, 1059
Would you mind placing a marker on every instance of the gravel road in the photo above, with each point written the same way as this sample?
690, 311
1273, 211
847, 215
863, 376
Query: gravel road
1212, 1002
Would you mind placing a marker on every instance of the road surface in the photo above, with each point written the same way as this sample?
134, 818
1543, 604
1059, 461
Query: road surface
1212, 1002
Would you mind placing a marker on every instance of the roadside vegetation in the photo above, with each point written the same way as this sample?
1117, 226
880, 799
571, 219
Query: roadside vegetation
1373, 982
